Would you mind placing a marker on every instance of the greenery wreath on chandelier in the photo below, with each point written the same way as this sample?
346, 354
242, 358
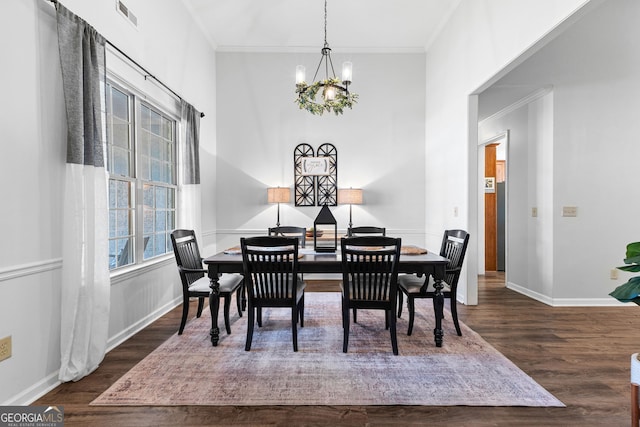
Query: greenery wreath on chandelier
307, 94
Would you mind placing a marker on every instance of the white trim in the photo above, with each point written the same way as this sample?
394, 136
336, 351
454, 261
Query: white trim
315, 49
259, 231
498, 138
51, 381
568, 302
127, 333
133, 83
589, 302
24, 270
531, 294
121, 275
36, 391
519, 103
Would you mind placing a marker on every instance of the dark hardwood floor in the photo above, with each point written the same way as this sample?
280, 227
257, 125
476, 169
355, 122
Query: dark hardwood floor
581, 355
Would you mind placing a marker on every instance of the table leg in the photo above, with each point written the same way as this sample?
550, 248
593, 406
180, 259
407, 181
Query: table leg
439, 312
214, 306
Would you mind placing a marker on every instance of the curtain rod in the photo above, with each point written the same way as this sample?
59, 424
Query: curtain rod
147, 73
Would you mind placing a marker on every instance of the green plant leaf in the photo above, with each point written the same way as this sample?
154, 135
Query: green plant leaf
633, 268
628, 292
632, 260
633, 250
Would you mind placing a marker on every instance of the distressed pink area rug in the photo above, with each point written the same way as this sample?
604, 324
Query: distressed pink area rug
187, 370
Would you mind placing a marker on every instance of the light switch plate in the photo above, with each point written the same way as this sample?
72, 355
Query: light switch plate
5, 348
569, 211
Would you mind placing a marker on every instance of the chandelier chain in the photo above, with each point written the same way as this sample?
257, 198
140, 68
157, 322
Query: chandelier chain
325, 24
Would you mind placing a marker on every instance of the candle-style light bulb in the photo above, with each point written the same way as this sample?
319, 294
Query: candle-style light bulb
347, 72
329, 93
300, 74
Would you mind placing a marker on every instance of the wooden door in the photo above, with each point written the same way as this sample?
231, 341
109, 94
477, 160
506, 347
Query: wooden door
490, 211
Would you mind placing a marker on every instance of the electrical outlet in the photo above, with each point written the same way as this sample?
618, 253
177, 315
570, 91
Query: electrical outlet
534, 212
455, 211
569, 211
614, 274
5, 348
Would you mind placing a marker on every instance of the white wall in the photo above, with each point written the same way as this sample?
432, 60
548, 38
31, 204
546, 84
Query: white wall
380, 142
32, 166
540, 195
594, 69
480, 40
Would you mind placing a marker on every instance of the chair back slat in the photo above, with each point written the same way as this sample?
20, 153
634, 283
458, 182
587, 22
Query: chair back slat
366, 230
185, 248
454, 247
290, 231
270, 266
370, 268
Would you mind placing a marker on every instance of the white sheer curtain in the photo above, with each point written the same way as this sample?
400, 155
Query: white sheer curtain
85, 271
189, 194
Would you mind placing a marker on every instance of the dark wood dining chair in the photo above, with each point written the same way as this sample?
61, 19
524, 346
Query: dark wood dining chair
369, 280
366, 230
290, 231
270, 266
454, 247
195, 281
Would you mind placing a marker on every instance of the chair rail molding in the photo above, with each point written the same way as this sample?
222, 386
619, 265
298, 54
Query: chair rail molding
23, 270
255, 231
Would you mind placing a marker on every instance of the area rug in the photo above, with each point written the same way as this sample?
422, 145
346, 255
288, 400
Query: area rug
187, 370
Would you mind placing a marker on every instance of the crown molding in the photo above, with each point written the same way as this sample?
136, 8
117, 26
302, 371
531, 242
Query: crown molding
316, 49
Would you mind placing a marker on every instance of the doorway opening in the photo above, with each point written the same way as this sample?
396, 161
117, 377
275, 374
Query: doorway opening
492, 203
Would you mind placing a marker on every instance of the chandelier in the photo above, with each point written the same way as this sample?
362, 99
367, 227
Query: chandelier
335, 93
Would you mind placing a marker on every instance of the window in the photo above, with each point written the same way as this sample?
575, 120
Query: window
141, 160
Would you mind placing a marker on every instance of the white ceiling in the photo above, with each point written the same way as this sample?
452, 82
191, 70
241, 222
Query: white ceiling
298, 25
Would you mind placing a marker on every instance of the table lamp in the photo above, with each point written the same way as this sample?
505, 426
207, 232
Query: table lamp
278, 195
351, 196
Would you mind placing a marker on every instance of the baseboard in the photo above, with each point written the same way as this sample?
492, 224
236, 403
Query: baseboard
118, 339
590, 302
34, 392
531, 294
567, 302
51, 381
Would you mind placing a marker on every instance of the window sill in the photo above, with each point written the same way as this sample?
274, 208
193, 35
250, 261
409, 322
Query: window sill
133, 271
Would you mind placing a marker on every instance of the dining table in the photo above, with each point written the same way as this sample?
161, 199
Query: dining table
420, 262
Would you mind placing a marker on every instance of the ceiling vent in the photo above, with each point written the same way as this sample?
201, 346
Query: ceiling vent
124, 10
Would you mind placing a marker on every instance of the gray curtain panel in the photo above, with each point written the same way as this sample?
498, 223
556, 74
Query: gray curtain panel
190, 146
82, 58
